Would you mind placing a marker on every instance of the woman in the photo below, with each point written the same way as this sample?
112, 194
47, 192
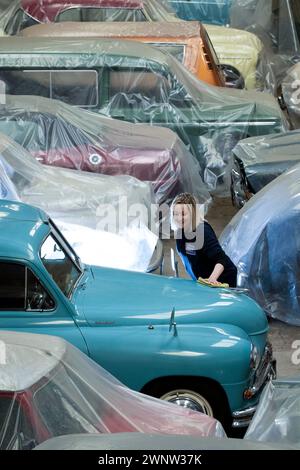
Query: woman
198, 245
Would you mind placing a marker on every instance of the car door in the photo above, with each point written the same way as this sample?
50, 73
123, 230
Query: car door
151, 95
26, 304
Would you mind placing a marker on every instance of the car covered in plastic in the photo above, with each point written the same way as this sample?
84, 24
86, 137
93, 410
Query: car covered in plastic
49, 388
59, 135
79, 201
25, 13
263, 242
192, 345
188, 42
277, 418
258, 161
209, 11
135, 82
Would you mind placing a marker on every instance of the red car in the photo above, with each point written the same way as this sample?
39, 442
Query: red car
49, 388
24, 13
60, 135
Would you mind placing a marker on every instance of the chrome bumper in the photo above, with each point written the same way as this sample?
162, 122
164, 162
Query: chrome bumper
266, 371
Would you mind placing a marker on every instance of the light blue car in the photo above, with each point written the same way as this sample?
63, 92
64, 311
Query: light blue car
209, 11
193, 345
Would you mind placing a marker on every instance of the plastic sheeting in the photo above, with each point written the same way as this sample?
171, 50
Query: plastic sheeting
277, 24
78, 202
49, 388
188, 42
263, 242
60, 135
245, 58
138, 83
260, 160
209, 11
277, 419
291, 93
24, 13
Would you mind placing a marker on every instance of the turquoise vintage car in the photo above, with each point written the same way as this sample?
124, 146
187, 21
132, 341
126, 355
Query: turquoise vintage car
209, 11
193, 345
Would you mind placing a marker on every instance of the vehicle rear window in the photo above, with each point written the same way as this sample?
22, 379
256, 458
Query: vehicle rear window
176, 50
75, 87
101, 14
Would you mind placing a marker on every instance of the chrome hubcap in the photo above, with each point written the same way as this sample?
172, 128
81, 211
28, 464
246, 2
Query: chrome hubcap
189, 399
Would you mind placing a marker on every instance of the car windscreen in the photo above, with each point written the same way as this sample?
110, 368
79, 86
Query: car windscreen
59, 264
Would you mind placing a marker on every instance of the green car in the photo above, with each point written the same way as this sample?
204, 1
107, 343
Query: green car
137, 83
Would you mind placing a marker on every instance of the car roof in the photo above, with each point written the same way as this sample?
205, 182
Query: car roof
49, 9
181, 30
22, 228
82, 49
27, 358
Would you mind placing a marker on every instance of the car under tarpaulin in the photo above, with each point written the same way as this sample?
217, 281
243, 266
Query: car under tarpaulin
77, 202
131, 81
263, 242
277, 418
49, 388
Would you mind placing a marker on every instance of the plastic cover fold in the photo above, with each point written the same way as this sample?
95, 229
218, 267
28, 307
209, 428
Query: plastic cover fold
277, 418
263, 242
49, 388
144, 85
78, 202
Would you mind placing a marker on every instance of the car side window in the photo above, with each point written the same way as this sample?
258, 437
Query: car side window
74, 87
101, 14
21, 290
134, 89
19, 21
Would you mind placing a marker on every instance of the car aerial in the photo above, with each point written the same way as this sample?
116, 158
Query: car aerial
258, 161
172, 338
132, 81
188, 42
79, 203
25, 13
263, 242
60, 135
48, 388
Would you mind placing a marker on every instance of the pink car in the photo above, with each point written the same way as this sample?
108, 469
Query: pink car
49, 388
60, 135
24, 13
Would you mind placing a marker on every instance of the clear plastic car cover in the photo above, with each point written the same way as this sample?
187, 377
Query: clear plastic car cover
263, 242
49, 388
60, 135
80, 204
277, 24
291, 93
245, 58
209, 11
277, 418
260, 160
188, 42
135, 82
24, 13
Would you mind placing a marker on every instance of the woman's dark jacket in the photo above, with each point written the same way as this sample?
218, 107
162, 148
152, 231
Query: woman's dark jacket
202, 261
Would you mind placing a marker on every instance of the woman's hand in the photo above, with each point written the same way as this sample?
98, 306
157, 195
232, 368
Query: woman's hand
218, 270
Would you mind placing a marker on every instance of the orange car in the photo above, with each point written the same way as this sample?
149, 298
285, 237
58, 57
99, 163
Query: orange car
187, 41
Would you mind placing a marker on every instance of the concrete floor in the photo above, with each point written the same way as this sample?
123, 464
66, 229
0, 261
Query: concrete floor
281, 335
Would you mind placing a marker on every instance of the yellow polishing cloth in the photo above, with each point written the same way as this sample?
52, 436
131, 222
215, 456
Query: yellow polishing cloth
205, 282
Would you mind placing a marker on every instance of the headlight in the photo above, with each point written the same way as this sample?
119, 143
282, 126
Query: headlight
254, 357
